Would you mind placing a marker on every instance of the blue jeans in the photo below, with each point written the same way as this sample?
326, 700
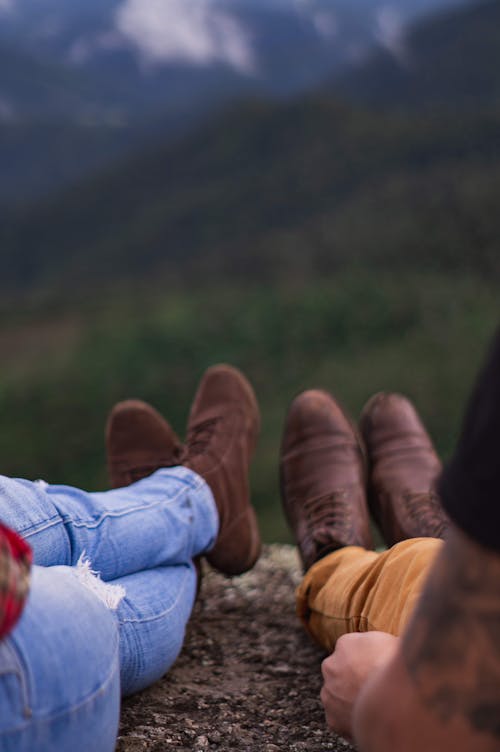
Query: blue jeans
83, 640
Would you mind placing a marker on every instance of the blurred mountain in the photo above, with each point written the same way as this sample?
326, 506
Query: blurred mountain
57, 124
275, 191
286, 189
33, 88
451, 60
131, 57
83, 82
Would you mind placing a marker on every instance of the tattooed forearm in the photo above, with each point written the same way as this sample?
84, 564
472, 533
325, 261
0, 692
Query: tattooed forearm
452, 646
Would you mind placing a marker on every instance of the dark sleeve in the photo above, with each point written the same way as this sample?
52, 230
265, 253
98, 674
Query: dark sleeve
470, 484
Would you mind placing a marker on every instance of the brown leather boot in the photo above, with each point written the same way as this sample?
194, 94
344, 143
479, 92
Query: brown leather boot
139, 441
222, 432
404, 470
323, 478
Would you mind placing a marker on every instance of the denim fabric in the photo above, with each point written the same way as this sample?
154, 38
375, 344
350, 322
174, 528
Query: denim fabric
67, 661
59, 670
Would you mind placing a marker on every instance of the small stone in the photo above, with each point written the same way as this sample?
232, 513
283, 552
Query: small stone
248, 677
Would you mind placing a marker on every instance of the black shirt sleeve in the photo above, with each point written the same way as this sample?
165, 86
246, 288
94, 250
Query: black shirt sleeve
470, 485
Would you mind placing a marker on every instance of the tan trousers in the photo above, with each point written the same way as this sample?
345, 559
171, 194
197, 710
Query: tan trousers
354, 590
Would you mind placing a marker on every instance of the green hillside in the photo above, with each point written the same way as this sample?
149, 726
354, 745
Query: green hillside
62, 369
276, 190
292, 189
38, 157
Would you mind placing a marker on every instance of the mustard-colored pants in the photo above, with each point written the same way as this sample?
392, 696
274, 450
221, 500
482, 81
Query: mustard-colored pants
354, 590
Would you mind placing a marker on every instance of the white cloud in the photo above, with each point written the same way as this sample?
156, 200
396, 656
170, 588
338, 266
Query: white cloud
190, 31
390, 33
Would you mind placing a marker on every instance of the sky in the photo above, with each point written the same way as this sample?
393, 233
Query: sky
203, 32
198, 32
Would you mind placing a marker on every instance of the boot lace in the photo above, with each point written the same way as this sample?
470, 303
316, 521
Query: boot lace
425, 511
329, 518
200, 436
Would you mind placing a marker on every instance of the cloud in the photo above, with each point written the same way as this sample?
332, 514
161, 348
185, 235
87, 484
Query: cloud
190, 31
324, 21
390, 33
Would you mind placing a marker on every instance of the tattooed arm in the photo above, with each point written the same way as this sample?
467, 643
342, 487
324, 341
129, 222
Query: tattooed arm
442, 690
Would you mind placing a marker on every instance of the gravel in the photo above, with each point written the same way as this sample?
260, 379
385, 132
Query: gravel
248, 677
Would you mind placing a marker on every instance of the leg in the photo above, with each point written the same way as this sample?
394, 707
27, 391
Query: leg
44, 707
59, 670
166, 518
354, 590
152, 619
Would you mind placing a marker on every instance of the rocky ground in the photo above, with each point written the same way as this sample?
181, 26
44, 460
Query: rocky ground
248, 677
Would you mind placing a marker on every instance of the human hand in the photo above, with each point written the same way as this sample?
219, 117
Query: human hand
356, 657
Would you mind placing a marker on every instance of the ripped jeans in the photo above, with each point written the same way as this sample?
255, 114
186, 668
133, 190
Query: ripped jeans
83, 640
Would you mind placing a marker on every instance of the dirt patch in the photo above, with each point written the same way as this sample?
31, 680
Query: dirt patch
248, 677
